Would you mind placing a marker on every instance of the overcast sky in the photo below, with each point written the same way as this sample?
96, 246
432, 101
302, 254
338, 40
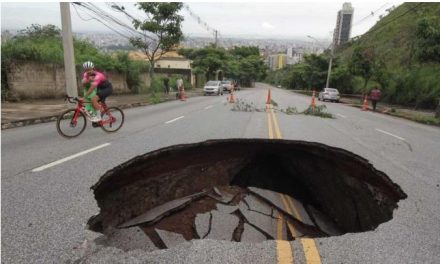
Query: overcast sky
245, 19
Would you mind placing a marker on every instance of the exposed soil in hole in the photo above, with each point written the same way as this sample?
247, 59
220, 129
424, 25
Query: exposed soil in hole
319, 190
182, 222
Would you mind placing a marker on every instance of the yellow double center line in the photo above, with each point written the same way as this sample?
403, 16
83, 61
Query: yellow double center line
284, 250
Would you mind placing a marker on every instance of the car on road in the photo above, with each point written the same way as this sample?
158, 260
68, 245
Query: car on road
226, 84
330, 94
236, 86
213, 87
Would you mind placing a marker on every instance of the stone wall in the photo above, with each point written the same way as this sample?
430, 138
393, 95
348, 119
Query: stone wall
33, 80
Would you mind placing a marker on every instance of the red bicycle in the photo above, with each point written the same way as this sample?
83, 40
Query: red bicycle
71, 123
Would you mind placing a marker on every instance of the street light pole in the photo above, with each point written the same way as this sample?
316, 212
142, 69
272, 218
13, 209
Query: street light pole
69, 59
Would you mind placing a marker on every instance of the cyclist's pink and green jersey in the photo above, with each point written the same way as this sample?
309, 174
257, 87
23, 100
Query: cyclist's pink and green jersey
97, 80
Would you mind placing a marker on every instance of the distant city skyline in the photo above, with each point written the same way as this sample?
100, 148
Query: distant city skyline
288, 20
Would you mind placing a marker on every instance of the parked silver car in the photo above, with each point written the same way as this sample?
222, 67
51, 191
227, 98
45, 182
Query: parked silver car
330, 94
213, 87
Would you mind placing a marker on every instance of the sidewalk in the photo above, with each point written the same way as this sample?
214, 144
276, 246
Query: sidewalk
421, 116
30, 112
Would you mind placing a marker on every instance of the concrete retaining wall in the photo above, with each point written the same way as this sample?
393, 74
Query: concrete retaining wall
33, 80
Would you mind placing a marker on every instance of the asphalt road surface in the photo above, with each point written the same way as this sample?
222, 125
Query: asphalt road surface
45, 208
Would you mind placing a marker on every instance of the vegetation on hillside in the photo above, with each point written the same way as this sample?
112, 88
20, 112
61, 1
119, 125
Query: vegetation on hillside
400, 54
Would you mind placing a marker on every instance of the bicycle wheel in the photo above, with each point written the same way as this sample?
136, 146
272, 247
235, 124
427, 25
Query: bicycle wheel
112, 120
68, 126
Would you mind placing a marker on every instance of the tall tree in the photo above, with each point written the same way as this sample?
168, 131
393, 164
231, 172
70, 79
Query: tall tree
162, 30
206, 60
361, 64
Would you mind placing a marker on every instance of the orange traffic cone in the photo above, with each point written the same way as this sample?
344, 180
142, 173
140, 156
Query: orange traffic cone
269, 98
183, 96
365, 104
231, 97
313, 104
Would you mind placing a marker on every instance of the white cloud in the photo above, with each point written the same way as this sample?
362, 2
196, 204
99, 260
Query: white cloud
287, 19
267, 25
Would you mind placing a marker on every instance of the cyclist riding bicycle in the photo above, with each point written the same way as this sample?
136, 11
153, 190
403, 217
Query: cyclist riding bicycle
96, 89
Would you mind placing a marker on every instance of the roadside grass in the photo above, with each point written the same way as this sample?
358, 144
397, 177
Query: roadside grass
428, 120
422, 117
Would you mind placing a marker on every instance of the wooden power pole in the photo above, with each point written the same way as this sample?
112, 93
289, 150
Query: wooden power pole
69, 58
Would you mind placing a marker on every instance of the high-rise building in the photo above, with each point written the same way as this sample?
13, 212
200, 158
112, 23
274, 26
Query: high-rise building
277, 61
343, 24
290, 52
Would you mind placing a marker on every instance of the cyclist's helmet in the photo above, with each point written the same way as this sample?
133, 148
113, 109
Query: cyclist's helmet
88, 65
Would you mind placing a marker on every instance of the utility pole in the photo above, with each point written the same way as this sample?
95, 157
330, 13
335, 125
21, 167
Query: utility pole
329, 67
69, 59
330, 63
216, 32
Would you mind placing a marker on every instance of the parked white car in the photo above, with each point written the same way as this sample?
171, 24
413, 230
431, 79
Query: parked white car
330, 94
213, 87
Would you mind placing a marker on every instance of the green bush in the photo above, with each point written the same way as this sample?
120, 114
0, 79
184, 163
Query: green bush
155, 98
418, 87
156, 85
132, 70
44, 44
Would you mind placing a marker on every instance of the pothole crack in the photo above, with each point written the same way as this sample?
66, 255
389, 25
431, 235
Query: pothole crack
269, 215
209, 225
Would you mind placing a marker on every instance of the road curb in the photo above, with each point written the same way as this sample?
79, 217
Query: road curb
51, 118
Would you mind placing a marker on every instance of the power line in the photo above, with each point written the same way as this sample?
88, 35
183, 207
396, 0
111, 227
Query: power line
370, 15
383, 25
81, 5
129, 32
110, 19
84, 19
214, 31
122, 9
100, 18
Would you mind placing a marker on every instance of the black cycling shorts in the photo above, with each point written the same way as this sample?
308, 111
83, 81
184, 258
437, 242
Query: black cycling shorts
105, 89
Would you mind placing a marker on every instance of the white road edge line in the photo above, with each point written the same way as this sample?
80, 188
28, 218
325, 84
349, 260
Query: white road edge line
343, 116
69, 158
175, 119
388, 133
208, 107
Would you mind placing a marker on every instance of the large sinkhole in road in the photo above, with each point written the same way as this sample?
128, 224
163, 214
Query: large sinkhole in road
246, 190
